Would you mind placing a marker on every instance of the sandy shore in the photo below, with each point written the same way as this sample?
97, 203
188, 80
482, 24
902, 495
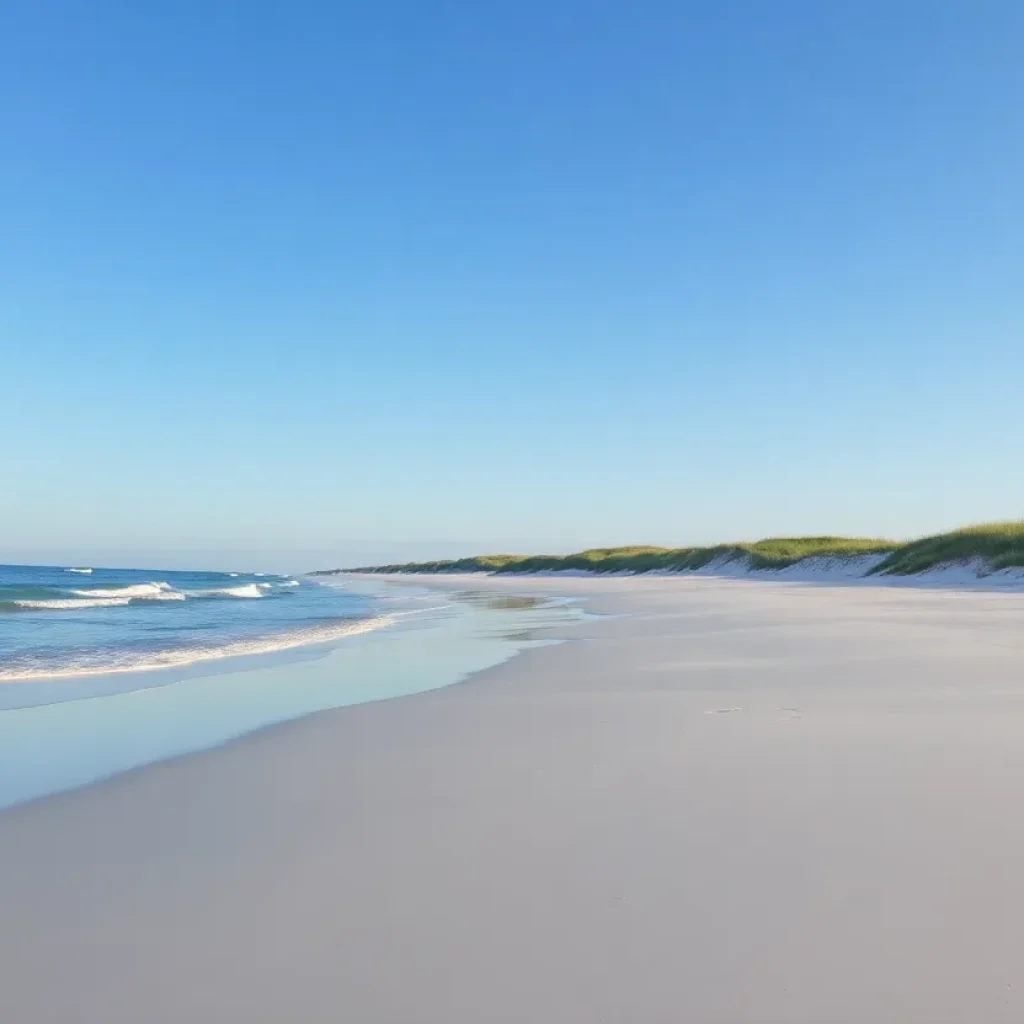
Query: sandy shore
740, 802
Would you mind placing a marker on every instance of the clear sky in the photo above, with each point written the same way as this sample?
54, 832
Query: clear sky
426, 277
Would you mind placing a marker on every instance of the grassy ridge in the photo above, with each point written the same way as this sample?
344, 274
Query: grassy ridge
775, 553
998, 545
995, 545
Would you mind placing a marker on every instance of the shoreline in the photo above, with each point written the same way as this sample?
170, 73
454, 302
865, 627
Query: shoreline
827, 572
65, 733
170, 660
716, 803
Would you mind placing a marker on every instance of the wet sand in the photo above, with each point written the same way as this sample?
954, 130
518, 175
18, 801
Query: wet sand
735, 802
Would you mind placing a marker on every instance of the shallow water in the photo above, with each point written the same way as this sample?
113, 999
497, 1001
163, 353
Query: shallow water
66, 733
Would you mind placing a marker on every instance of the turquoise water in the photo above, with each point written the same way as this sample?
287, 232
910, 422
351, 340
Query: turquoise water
64, 732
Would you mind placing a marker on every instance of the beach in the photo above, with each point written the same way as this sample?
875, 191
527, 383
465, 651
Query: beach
718, 801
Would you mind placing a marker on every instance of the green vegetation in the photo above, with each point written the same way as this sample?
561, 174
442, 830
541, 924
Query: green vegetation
995, 545
998, 545
775, 553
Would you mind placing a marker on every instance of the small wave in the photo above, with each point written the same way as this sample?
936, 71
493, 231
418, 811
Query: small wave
84, 572
139, 662
143, 593
290, 583
155, 591
246, 590
72, 603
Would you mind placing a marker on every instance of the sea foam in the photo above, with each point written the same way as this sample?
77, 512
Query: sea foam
72, 603
144, 662
246, 590
156, 591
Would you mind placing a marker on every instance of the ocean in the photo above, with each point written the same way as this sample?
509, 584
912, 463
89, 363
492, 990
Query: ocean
78, 620
107, 670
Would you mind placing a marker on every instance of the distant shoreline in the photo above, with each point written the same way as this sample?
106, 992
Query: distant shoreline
974, 551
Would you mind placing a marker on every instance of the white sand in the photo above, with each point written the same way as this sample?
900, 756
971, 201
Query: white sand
744, 802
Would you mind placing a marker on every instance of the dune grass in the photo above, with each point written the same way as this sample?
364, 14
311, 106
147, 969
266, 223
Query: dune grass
993, 546
997, 545
774, 553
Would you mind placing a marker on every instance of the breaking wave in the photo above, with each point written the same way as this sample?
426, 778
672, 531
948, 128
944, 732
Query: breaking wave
138, 593
148, 591
54, 623
69, 603
246, 590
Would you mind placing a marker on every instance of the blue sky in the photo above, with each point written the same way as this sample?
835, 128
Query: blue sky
402, 278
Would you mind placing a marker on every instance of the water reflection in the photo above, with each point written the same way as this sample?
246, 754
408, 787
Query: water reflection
501, 602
